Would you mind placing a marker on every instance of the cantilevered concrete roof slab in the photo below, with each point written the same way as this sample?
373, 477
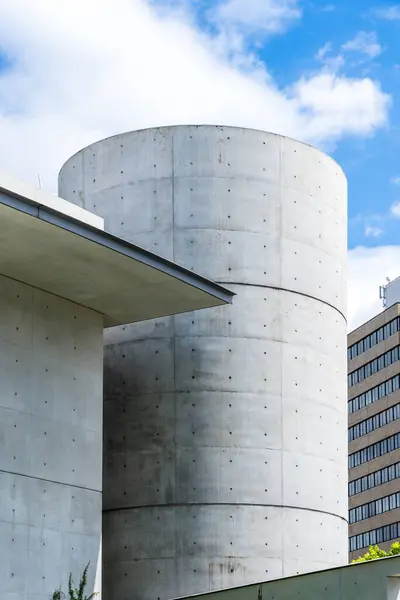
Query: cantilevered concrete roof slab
70, 257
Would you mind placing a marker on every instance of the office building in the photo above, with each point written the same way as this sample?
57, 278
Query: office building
374, 431
225, 458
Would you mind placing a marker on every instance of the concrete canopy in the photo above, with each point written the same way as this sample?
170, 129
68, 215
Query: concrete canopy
52, 251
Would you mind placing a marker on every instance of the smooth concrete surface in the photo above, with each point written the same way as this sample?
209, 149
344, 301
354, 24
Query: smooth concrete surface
38, 196
51, 363
95, 269
392, 292
374, 580
225, 430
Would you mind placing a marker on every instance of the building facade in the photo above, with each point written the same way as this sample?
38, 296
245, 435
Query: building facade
225, 431
374, 432
62, 280
372, 580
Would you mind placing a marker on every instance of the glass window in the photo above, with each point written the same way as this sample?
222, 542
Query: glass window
384, 475
385, 504
386, 533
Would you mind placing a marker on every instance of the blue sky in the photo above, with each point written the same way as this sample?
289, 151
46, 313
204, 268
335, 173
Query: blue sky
371, 162
327, 73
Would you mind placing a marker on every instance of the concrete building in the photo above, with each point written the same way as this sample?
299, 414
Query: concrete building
225, 431
375, 580
390, 293
62, 279
374, 432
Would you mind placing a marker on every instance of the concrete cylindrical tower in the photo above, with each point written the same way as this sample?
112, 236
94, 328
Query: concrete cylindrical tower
225, 430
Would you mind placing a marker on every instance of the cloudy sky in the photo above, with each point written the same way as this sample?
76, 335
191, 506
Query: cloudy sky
73, 71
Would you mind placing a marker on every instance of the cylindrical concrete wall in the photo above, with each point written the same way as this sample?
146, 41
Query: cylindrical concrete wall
51, 364
225, 430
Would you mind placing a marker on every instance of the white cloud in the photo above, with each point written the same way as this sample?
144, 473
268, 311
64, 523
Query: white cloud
332, 62
334, 103
395, 180
84, 70
372, 231
269, 16
395, 210
388, 13
366, 43
368, 269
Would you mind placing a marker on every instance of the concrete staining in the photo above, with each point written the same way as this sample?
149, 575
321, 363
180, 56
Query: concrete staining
50, 441
225, 430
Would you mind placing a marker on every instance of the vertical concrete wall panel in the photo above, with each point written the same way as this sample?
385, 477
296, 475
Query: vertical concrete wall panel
225, 429
50, 441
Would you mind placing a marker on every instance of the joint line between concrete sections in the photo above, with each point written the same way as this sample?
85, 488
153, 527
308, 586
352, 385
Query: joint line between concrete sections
274, 287
71, 485
233, 504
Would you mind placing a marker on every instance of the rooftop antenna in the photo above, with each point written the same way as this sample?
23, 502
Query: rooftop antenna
382, 292
40, 183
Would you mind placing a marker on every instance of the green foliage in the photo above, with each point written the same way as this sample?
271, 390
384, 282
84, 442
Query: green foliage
375, 552
75, 593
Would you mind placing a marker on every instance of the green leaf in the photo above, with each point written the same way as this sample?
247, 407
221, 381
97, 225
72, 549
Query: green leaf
374, 552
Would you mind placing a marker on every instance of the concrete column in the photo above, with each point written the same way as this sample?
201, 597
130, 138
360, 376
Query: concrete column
225, 430
50, 441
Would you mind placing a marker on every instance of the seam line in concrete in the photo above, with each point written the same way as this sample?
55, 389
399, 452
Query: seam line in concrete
275, 287
233, 504
70, 485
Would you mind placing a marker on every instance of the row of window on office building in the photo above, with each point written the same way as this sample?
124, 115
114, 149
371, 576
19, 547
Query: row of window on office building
379, 363
374, 450
373, 338
375, 479
379, 420
375, 536
375, 507
374, 394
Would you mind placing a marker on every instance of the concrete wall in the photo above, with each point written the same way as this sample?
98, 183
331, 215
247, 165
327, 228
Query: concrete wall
50, 441
225, 430
376, 580
392, 292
